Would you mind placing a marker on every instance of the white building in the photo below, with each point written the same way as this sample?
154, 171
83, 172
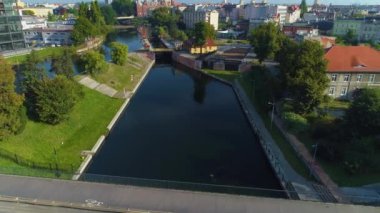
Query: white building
198, 13
264, 11
293, 14
29, 22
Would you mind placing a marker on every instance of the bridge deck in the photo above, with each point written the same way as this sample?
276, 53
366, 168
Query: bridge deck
119, 196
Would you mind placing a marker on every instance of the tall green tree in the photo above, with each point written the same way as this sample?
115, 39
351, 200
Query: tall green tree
303, 7
94, 63
55, 98
10, 102
202, 32
266, 39
62, 64
163, 16
363, 116
109, 14
83, 30
31, 70
96, 16
124, 7
304, 69
119, 53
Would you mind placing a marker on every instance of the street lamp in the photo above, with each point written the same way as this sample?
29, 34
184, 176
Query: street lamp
315, 147
271, 122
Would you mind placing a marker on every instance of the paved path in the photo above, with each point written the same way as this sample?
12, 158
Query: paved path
119, 196
102, 88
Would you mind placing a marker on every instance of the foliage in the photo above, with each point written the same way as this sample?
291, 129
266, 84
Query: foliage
83, 30
119, 53
163, 17
94, 63
295, 122
89, 24
124, 7
350, 37
303, 7
62, 64
31, 71
55, 98
10, 102
109, 14
266, 40
28, 13
202, 32
363, 116
303, 68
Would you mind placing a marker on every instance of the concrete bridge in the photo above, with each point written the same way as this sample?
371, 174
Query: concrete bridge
121, 198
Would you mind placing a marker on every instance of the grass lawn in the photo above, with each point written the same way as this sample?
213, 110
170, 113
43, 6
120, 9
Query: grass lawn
336, 104
119, 77
223, 74
87, 122
230, 41
44, 54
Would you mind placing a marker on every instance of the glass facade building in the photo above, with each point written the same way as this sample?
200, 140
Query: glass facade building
11, 35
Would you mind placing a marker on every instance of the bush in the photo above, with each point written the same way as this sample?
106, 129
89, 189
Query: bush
23, 120
119, 53
94, 63
295, 122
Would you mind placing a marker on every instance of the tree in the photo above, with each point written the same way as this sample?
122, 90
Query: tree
109, 14
28, 13
95, 15
350, 37
119, 53
124, 7
10, 102
31, 70
181, 36
94, 63
62, 64
363, 116
303, 7
83, 30
202, 32
266, 40
55, 98
163, 17
304, 69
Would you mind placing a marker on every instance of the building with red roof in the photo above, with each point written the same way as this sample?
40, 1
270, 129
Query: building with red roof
350, 68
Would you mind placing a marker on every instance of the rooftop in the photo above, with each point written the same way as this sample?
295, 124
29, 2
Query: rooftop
353, 59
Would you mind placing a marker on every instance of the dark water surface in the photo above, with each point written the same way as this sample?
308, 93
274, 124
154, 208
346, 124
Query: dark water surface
184, 126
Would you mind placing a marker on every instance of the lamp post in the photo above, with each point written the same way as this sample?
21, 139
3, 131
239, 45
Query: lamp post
272, 114
315, 146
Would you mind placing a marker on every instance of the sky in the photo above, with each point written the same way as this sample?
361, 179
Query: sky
362, 2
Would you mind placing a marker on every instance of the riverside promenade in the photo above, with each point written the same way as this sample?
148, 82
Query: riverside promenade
121, 198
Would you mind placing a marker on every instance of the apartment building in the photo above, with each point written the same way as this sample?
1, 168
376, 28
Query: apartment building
200, 13
365, 29
350, 68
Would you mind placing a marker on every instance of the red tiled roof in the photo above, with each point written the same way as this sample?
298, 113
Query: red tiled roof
353, 59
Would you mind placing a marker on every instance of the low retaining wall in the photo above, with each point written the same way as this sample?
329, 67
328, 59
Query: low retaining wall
102, 138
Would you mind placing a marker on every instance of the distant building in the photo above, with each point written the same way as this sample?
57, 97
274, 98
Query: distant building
144, 8
108, 1
198, 13
294, 29
350, 68
29, 22
293, 14
277, 13
365, 29
11, 36
39, 11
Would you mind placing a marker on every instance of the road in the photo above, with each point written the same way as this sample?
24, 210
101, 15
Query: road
129, 197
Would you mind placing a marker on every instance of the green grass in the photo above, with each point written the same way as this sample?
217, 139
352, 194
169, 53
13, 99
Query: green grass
44, 54
336, 104
119, 77
279, 138
230, 41
223, 74
87, 122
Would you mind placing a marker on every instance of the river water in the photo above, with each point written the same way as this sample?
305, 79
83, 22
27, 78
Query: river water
182, 125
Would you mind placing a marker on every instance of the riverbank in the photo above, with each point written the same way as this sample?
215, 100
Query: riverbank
101, 139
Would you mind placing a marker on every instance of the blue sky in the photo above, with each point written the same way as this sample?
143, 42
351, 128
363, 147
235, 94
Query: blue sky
363, 2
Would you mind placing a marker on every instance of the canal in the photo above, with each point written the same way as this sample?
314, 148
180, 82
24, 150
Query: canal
184, 126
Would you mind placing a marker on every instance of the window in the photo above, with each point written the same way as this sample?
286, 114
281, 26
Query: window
343, 92
334, 77
331, 90
371, 78
346, 77
359, 77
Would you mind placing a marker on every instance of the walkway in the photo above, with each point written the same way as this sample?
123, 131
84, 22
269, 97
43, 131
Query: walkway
119, 196
92, 84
